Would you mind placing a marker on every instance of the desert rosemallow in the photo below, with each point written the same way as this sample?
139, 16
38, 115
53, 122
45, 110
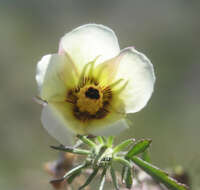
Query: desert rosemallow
90, 86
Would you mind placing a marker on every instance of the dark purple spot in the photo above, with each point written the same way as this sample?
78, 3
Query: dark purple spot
92, 93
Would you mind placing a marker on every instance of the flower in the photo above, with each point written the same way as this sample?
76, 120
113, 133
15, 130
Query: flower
90, 86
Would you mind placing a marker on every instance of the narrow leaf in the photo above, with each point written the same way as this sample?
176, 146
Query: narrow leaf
87, 141
89, 179
146, 156
129, 178
57, 182
73, 176
114, 178
71, 149
122, 145
99, 155
138, 148
100, 139
78, 143
75, 170
124, 173
159, 175
123, 161
110, 141
102, 179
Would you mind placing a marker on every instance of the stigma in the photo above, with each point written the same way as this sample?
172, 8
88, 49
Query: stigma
90, 99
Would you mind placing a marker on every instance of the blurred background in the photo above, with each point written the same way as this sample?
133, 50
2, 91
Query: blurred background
168, 32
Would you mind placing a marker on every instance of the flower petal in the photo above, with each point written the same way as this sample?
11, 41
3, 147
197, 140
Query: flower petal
87, 42
41, 70
112, 129
55, 127
137, 69
65, 112
58, 77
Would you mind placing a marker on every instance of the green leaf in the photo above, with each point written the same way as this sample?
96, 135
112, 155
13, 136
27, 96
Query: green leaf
146, 156
72, 172
138, 148
87, 141
71, 150
102, 179
75, 170
90, 178
100, 140
123, 161
114, 178
159, 175
110, 141
100, 153
122, 145
129, 178
73, 176
124, 173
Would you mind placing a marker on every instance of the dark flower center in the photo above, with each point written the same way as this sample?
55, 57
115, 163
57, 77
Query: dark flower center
92, 93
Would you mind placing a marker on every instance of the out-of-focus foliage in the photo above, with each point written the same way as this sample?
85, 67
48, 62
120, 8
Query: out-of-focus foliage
166, 31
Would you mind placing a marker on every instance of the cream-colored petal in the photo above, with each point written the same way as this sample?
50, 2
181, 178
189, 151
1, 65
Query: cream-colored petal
64, 111
55, 127
87, 42
116, 113
60, 76
41, 70
111, 129
137, 69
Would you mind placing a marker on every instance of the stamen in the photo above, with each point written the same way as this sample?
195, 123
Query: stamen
83, 73
115, 83
101, 71
121, 89
92, 67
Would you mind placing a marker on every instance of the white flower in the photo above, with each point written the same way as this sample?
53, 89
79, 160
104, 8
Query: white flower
90, 85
